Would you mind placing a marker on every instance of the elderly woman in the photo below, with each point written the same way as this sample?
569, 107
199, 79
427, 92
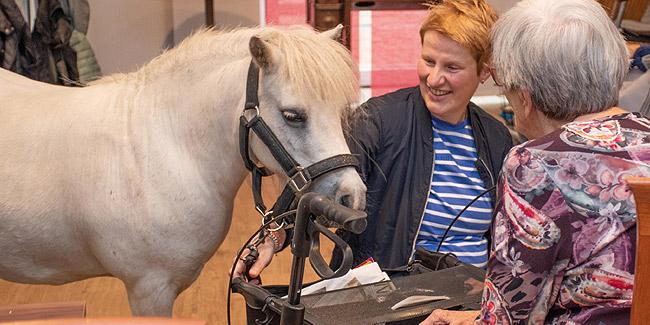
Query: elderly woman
564, 231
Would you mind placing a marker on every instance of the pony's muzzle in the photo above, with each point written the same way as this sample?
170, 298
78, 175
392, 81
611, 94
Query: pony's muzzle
345, 187
354, 198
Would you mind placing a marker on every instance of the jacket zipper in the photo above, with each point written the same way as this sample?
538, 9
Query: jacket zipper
489, 172
415, 237
481, 159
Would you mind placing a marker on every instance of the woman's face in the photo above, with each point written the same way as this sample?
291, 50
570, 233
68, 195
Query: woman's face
448, 76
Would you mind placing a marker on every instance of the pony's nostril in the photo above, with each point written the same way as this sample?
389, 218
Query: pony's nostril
346, 200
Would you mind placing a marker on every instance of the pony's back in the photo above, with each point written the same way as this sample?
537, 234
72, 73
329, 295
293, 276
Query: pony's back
13, 83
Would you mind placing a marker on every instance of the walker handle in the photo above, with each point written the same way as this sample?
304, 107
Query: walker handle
254, 295
316, 259
349, 219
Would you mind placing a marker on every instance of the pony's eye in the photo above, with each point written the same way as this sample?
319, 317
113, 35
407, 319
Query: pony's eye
293, 116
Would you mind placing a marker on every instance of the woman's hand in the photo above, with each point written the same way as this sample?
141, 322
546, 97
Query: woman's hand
266, 251
451, 317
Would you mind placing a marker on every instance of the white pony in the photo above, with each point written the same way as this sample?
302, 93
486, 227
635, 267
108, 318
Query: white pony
134, 176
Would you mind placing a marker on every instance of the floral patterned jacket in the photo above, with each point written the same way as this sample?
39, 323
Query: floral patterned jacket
565, 226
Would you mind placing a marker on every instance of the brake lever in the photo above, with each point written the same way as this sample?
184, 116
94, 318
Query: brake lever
316, 259
249, 260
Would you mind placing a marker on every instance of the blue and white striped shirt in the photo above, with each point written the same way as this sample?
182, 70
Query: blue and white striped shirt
455, 181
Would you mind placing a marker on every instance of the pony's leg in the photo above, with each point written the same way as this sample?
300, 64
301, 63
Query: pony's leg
152, 295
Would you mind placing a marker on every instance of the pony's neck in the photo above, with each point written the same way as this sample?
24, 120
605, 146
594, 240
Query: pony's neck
198, 109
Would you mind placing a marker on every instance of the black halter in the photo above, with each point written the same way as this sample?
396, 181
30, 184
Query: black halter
299, 177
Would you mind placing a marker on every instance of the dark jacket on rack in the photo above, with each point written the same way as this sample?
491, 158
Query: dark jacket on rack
51, 36
43, 55
87, 65
17, 52
394, 145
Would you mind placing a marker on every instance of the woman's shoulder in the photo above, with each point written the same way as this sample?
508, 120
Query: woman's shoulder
396, 109
487, 127
608, 135
487, 120
395, 100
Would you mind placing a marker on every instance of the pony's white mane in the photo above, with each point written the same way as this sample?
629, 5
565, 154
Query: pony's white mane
316, 66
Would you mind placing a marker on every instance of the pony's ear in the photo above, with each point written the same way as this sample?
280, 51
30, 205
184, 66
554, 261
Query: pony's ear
262, 53
334, 33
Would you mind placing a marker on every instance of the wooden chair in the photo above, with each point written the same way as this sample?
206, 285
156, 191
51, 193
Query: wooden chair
634, 9
641, 299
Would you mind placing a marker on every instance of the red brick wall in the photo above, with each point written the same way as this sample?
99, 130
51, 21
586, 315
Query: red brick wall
395, 41
286, 12
395, 49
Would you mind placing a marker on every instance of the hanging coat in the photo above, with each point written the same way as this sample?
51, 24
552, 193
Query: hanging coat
17, 52
51, 35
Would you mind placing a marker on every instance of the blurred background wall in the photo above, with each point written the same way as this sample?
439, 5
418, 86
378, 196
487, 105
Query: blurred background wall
126, 34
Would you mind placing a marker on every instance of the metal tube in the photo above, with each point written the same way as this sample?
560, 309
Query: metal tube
209, 13
295, 282
619, 14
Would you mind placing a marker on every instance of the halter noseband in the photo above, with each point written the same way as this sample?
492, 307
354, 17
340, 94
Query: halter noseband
299, 177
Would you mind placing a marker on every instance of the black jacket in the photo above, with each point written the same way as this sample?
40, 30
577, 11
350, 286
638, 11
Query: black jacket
394, 144
51, 37
43, 55
17, 51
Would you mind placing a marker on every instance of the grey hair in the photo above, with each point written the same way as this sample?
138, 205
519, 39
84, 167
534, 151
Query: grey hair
568, 54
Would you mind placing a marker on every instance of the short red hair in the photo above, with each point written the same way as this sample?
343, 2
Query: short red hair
468, 22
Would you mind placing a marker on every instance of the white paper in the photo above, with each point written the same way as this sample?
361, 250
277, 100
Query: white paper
366, 274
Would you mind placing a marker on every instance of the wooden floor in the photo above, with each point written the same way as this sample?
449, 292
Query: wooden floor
205, 299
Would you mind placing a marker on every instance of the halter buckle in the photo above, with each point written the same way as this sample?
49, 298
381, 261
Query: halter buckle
250, 117
300, 180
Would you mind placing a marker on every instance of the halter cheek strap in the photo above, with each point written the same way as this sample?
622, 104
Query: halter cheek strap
299, 177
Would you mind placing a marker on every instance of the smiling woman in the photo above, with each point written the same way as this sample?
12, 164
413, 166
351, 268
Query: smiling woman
425, 151
448, 78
